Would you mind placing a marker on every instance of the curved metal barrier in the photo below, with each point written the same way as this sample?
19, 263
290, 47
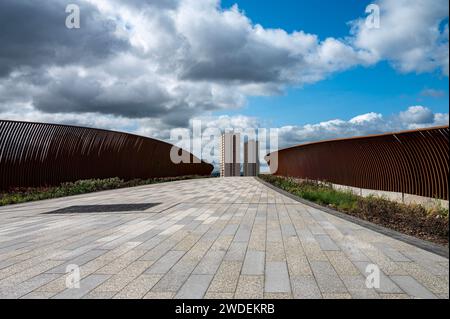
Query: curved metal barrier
412, 162
40, 154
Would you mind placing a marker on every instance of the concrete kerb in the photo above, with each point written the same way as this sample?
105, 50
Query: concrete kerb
420, 243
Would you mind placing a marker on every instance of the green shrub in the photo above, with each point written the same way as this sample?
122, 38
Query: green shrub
416, 220
321, 193
21, 195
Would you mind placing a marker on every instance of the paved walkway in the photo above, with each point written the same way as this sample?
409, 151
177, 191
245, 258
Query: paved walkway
209, 238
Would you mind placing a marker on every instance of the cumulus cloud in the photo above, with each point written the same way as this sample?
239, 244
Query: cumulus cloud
121, 62
364, 124
211, 126
34, 36
417, 115
366, 118
411, 35
152, 65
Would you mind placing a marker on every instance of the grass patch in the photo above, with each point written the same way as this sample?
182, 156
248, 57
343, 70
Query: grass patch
415, 220
22, 195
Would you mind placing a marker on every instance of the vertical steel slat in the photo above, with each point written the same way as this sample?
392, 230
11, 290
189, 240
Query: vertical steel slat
40, 154
413, 162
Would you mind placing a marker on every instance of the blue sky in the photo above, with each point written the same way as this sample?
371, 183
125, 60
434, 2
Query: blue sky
379, 88
324, 18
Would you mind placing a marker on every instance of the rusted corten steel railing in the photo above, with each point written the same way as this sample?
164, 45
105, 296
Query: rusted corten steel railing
40, 154
412, 162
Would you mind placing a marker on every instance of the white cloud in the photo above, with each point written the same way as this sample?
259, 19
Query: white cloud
148, 66
225, 121
366, 118
417, 115
441, 119
183, 57
410, 36
365, 124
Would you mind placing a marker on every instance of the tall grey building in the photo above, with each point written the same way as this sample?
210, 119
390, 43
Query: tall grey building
251, 158
230, 160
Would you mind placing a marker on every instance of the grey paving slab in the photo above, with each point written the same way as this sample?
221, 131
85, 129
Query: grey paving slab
78, 261
210, 263
171, 282
392, 253
243, 233
86, 285
326, 243
387, 286
165, 262
412, 287
357, 288
327, 278
254, 263
195, 287
26, 287
277, 277
209, 238
236, 251
7, 263
288, 230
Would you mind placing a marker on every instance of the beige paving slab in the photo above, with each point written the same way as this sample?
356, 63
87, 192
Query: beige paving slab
208, 238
